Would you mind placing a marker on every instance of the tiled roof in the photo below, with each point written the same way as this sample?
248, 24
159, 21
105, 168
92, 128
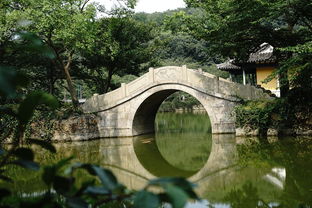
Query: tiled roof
263, 55
227, 65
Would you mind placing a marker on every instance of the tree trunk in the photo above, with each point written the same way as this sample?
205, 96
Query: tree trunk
71, 88
59, 63
69, 81
108, 81
51, 79
284, 83
102, 86
283, 74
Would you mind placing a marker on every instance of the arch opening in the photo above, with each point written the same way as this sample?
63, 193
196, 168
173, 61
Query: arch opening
183, 132
182, 140
144, 117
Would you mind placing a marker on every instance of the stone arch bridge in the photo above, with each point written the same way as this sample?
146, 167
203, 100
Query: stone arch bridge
131, 109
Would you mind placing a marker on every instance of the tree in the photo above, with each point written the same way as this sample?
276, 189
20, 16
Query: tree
123, 46
177, 45
238, 27
67, 28
64, 25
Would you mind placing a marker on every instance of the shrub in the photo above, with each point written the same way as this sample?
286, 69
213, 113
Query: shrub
260, 114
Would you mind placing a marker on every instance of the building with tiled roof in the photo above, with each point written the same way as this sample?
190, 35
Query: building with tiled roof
255, 70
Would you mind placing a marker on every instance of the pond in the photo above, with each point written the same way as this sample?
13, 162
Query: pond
229, 172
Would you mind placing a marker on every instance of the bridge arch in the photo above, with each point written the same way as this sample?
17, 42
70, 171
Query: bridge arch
143, 118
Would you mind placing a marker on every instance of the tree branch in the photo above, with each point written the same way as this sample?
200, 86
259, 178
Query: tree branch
83, 5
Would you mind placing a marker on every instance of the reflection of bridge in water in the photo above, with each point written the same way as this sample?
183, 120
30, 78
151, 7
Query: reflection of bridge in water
217, 178
134, 175
219, 175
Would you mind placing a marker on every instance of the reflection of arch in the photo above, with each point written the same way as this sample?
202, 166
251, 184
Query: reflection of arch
130, 110
131, 168
152, 160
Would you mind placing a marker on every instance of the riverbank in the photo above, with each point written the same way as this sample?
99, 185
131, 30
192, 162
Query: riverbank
85, 127
290, 115
271, 132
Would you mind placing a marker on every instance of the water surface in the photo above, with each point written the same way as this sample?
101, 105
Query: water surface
229, 171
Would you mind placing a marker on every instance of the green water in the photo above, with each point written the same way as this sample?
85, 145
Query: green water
230, 172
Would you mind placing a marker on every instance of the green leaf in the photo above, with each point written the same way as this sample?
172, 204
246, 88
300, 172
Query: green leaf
44, 144
50, 172
48, 175
70, 169
62, 184
84, 186
93, 190
106, 176
32, 100
176, 195
27, 164
164, 197
63, 162
186, 186
76, 203
10, 81
5, 178
4, 193
2, 151
162, 181
24, 153
35, 44
143, 199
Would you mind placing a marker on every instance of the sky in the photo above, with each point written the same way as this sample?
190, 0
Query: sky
150, 6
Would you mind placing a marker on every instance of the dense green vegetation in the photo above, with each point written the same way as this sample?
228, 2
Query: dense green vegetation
101, 187
236, 28
84, 49
290, 113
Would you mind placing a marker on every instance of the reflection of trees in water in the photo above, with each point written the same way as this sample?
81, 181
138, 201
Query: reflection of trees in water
247, 196
151, 159
28, 181
182, 122
294, 154
183, 139
187, 151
